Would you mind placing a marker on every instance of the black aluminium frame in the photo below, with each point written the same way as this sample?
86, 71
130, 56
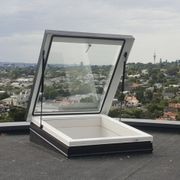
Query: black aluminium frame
46, 59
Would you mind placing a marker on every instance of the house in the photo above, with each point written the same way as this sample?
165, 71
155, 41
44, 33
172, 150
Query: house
135, 85
174, 85
134, 76
11, 101
168, 95
16, 84
150, 89
131, 101
169, 116
144, 72
174, 105
158, 85
115, 103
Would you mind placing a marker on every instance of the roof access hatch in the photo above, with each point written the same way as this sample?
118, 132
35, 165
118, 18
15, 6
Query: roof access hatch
76, 80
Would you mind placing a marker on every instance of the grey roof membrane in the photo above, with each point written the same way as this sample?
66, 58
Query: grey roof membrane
21, 159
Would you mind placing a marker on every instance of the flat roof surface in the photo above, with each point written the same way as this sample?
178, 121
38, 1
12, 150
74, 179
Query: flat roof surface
22, 159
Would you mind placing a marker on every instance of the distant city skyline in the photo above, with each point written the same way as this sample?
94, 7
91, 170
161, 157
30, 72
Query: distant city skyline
155, 24
2, 63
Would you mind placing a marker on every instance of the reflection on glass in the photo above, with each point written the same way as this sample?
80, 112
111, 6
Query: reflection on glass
77, 74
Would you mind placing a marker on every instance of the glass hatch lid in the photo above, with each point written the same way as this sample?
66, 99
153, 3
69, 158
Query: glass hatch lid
78, 72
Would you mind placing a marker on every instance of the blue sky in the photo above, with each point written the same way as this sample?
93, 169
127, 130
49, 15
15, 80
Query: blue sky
155, 24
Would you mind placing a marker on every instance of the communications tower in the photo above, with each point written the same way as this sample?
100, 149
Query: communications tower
154, 56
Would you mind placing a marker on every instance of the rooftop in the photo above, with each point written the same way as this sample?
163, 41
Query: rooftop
22, 159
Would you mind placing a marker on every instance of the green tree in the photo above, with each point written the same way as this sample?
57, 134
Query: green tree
4, 117
115, 113
178, 116
148, 96
140, 93
4, 95
17, 113
155, 109
50, 92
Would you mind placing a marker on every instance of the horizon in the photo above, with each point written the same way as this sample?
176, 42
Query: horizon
19, 62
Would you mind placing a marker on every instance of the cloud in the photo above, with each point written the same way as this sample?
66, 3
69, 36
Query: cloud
143, 19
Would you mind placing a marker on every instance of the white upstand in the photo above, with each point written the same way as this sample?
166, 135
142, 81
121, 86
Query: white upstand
91, 131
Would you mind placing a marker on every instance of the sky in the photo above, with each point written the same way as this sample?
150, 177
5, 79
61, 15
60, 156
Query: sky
99, 52
155, 24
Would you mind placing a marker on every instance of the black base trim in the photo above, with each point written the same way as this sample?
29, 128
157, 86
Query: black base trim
160, 127
39, 136
12, 129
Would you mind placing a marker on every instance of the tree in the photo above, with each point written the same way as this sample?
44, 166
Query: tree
178, 116
115, 113
173, 70
17, 113
4, 95
140, 94
155, 109
4, 117
127, 113
120, 97
50, 92
148, 96
99, 90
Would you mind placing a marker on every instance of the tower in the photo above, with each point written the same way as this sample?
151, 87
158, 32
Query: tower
154, 56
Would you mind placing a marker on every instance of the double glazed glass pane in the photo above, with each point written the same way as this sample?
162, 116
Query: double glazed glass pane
77, 74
